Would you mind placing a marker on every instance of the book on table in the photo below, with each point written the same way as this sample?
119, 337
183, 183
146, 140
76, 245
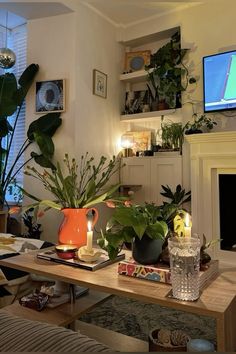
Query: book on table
103, 261
161, 272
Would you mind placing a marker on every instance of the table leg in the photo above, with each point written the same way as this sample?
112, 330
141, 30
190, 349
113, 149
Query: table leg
226, 329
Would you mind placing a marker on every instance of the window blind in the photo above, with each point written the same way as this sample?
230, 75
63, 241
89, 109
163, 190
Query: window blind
17, 41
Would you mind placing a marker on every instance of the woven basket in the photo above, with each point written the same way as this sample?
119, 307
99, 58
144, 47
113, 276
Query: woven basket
156, 347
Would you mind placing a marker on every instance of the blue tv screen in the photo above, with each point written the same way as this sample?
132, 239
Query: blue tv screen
219, 82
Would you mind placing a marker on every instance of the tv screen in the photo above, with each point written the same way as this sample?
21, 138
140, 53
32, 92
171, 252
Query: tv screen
219, 81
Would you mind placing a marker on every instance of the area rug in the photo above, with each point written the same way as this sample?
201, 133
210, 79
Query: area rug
137, 319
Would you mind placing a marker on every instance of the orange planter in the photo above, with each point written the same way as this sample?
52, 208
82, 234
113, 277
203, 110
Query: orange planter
74, 227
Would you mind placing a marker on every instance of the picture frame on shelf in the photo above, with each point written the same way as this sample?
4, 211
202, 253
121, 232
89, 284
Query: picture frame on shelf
99, 83
50, 96
135, 61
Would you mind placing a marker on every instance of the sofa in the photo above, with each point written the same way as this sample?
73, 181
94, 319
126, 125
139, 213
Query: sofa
22, 335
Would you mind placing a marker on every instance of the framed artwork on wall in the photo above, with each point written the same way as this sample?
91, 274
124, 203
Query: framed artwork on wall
50, 96
99, 83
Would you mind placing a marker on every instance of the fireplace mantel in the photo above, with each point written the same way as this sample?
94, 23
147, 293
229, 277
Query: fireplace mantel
210, 154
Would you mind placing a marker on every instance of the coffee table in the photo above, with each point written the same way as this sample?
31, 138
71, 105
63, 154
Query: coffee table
218, 300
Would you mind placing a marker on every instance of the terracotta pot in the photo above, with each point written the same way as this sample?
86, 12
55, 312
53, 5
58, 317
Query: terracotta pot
146, 250
74, 227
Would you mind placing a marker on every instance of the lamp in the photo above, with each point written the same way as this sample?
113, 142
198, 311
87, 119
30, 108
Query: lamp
7, 56
127, 142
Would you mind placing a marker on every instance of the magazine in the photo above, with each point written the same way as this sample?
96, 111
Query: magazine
103, 261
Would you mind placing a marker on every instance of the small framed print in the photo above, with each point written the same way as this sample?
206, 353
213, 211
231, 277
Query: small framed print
50, 96
99, 83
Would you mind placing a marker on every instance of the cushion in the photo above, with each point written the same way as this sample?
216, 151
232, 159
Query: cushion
17, 334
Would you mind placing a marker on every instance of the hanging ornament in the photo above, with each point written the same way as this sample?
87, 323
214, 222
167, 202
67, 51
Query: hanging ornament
7, 58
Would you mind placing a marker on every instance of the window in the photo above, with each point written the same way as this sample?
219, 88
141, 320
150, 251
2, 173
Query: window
17, 41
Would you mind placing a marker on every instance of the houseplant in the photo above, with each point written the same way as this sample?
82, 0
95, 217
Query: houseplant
75, 191
165, 73
172, 135
40, 131
143, 225
199, 124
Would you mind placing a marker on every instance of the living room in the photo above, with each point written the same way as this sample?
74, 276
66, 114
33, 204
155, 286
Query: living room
70, 44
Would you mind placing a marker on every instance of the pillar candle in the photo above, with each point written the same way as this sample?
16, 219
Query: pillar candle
187, 227
89, 237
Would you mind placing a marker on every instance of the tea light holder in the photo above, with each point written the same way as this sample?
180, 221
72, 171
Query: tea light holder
66, 251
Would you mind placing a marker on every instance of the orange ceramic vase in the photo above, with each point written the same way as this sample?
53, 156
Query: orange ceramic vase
74, 227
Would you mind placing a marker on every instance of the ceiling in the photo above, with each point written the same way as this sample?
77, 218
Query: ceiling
128, 12
119, 12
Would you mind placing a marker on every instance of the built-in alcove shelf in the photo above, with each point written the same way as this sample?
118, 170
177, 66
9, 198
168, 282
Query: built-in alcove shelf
146, 115
136, 76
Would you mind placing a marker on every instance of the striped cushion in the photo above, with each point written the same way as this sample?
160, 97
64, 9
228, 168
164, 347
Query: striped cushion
18, 334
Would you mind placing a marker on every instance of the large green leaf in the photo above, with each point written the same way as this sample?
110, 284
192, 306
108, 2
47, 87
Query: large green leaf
157, 230
8, 87
45, 144
5, 128
47, 124
42, 161
25, 81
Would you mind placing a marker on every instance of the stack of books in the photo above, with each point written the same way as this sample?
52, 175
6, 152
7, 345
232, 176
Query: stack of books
161, 272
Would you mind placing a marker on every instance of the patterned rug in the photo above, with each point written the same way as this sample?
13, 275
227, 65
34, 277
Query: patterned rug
137, 319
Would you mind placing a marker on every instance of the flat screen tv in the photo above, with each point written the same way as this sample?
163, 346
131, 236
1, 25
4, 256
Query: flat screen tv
219, 82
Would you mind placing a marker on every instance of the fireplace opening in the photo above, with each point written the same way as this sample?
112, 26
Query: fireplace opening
227, 209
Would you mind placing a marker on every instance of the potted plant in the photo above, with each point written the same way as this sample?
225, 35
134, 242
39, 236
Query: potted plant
199, 124
141, 225
75, 191
165, 73
172, 136
40, 131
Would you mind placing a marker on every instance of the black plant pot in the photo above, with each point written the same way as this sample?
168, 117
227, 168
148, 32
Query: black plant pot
146, 250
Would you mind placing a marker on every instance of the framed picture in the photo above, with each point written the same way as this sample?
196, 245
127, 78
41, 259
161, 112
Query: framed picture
50, 96
99, 83
137, 60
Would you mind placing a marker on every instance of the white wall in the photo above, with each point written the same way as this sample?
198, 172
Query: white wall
70, 47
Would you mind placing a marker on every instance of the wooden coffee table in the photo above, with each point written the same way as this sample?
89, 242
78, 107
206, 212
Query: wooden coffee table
218, 300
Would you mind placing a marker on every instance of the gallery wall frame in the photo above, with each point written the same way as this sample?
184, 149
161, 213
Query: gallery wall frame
99, 83
50, 96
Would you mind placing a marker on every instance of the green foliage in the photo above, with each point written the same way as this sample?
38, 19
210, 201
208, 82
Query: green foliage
199, 123
81, 186
129, 222
172, 135
178, 197
12, 95
166, 70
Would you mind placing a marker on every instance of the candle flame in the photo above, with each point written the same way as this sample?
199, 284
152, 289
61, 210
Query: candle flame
89, 226
187, 220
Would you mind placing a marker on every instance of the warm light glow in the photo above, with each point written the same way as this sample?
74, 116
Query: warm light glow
89, 225
127, 141
187, 220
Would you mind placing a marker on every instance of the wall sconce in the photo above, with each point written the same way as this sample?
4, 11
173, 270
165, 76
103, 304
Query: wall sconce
127, 142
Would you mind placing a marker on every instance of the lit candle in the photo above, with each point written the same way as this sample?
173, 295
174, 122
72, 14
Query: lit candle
187, 227
89, 237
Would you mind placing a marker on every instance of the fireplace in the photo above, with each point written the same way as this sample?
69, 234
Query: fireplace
227, 198
213, 168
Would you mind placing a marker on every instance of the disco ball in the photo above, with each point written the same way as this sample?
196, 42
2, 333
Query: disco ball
7, 58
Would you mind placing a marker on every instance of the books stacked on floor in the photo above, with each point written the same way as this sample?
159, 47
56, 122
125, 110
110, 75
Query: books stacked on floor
161, 272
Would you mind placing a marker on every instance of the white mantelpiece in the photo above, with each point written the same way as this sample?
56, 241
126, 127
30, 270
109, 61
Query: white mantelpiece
210, 154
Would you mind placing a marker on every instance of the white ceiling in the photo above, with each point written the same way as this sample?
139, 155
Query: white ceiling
118, 12
128, 12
